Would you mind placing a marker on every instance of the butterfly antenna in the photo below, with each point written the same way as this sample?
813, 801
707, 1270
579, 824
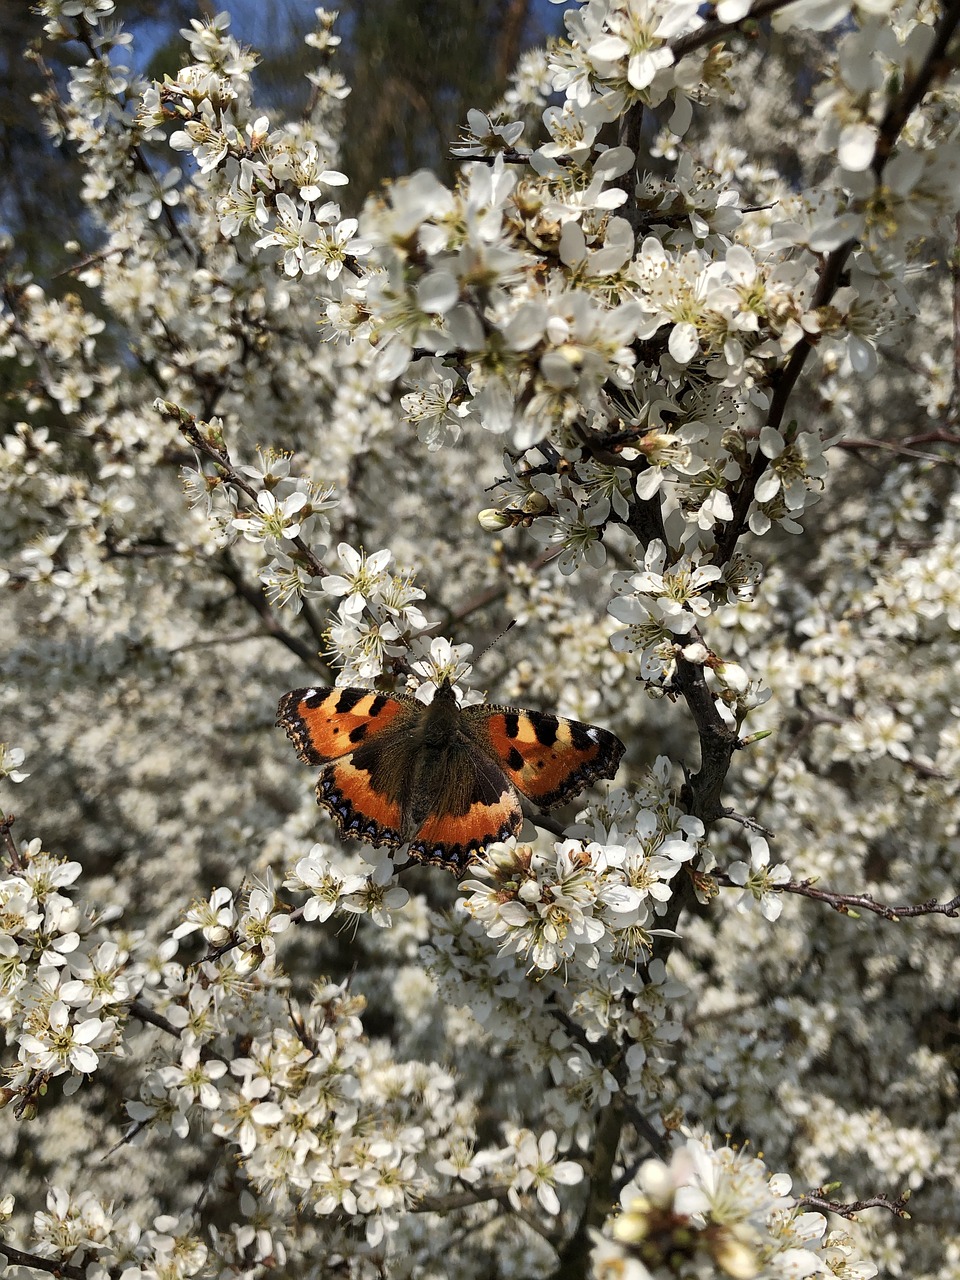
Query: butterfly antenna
495, 641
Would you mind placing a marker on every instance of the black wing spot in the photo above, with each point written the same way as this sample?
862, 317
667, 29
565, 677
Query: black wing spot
349, 699
379, 702
515, 760
511, 723
581, 736
359, 733
545, 726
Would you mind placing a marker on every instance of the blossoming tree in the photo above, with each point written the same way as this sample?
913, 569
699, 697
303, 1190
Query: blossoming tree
668, 376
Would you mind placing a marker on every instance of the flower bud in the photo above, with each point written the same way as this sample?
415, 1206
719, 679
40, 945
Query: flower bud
492, 521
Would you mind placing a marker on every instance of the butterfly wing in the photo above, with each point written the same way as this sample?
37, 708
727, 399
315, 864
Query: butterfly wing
546, 757
472, 805
351, 732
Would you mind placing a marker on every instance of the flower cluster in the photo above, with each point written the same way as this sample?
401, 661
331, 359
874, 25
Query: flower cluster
63, 981
716, 1210
580, 903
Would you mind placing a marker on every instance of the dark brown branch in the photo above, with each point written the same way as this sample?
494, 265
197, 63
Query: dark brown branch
853, 1207
255, 598
856, 445
712, 31
481, 1195
489, 595
575, 1253
718, 740
205, 444
6, 835
210, 446
954, 263
939, 435
845, 903
750, 823
144, 1013
459, 1200
54, 1267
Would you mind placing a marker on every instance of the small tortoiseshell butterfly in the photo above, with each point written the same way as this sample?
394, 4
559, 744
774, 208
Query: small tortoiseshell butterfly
442, 777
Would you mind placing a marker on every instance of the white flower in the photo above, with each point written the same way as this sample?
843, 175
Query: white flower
11, 758
216, 918
361, 583
327, 885
55, 1044
192, 1081
762, 886
538, 1168
483, 136
443, 661
377, 896
577, 532
328, 249
274, 520
98, 979
259, 926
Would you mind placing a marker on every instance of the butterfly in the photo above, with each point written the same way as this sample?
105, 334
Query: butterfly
441, 777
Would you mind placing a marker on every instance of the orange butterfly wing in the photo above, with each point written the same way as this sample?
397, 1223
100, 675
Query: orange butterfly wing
325, 724
339, 728
546, 757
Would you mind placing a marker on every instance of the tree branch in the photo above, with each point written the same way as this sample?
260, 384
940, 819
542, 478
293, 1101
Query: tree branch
851, 903
6, 836
716, 30
853, 1207
954, 265
255, 598
144, 1013
575, 1254
17, 1258
855, 444
220, 457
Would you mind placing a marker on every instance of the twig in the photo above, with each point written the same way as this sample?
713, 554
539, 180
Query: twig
17, 1258
489, 595
6, 835
939, 435
220, 457
240, 637
853, 1207
855, 445
30, 1092
750, 823
255, 598
481, 1195
212, 447
845, 903
711, 31
144, 1013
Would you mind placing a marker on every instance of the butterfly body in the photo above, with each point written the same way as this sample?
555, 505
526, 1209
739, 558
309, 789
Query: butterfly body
441, 777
